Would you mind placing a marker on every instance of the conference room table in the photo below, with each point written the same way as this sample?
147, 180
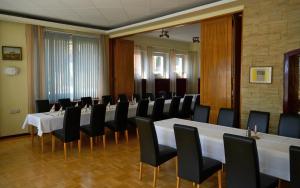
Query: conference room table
50, 121
273, 150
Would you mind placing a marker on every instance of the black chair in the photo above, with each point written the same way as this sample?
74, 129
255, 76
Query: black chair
201, 113
150, 151
137, 97
106, 99
86, 101
158, 109
197, 102
294, 167
141, 111
97, 124
42, 106
148, 95
289, 125
64, 103
242, 164
226, 117
185, 111
192, 165
119, 124
123, 98
71, 129
260, 119
162, 94
174, 108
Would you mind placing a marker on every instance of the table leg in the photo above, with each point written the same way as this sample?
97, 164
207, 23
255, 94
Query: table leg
42, 143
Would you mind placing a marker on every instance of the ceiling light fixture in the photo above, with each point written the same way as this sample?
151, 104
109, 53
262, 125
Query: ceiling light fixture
164, 33
196, 40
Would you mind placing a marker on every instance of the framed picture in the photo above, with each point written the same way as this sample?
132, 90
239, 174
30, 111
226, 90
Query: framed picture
261, 75
11, 53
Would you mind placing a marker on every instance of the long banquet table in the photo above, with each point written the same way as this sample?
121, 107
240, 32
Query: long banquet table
273, 150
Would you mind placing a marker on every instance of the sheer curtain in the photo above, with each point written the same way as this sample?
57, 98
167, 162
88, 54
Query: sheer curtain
172, 70
57, 66
150, 88
192, 72
138, 64
86, 67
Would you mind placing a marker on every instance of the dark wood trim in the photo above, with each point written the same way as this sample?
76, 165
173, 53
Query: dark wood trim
14, 136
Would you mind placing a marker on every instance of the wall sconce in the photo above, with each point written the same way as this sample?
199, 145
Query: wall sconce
11, 71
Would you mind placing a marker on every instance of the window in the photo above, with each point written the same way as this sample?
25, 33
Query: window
159, 64
179, 65
72, 66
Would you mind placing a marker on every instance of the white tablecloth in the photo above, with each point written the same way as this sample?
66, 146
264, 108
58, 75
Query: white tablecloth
273, 150
50, 121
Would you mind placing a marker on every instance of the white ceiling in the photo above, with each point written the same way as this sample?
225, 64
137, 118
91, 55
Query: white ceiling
105, 14
183, 33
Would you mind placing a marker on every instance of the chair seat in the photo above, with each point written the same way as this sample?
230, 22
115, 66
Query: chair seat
59, 134
165, 153
210, 166
131, 121
267, 181
113, 125
87, 129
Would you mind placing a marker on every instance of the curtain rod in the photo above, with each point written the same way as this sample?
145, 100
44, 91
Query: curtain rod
73, 33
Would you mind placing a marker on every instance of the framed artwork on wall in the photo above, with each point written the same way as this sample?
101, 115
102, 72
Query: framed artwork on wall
11, 53
261, 75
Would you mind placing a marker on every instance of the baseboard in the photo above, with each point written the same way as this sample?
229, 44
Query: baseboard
12, 136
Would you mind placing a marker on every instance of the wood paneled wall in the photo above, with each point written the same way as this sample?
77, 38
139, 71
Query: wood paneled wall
216, 64
121, 67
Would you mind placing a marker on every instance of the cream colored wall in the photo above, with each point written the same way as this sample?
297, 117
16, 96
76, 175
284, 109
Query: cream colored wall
13, 89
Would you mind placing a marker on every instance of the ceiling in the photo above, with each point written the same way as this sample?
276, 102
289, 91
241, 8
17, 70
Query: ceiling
100, 14
183, 33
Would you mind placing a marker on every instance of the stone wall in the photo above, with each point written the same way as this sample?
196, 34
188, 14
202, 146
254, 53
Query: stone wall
270, 29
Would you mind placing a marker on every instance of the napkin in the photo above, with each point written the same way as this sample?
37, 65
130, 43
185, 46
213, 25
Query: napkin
76, 105
99, 102
148, 98
85, 106
60, 109
52, 108
118, 100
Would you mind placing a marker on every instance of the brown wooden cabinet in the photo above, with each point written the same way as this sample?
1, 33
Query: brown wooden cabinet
121, 67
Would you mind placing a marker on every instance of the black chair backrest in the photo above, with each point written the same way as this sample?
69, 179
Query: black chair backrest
86, 101
260, 119
294, 167
97, 120
121, 115
137, 97
186, 106
174, 107
42, 106
158, 109
189, 153
142, 108
201, 113
289, 125
64, 103
147, 95
123, 98
162, 94
71, 124
148, 141
242, 166
226, 117
106, 99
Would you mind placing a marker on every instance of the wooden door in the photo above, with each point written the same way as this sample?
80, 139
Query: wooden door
216, 64
122, 57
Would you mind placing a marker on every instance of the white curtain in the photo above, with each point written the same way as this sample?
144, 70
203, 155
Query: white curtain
172, 70
86, 67
192, 72
150, 88
57, 66
138, 67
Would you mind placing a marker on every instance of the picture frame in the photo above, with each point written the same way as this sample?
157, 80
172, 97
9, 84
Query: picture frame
11, 53
261, 75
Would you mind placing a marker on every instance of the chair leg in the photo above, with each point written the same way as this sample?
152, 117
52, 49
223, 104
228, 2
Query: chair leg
141, 169
137, 133
42, 143
158, 169
176, 165
154, 177
91, 143
178, 182
220, 178
53, 142
71, 146
104, 141
79, 146
194, 184
126, 135
198, 185
116, 137
65, 150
